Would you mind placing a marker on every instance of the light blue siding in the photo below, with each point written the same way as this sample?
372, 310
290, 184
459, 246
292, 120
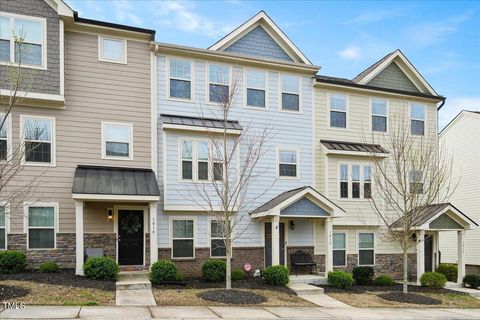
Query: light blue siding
302, 235
259, 43
285, 133
304, 207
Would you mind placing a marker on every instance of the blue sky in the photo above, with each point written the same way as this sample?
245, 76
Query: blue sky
442, 39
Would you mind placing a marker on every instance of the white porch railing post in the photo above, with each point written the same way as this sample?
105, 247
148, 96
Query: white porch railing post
153, 232
79, 254
420, 254
275, 240
461, 255
329, 242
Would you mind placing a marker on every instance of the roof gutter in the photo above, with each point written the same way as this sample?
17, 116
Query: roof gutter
441, 105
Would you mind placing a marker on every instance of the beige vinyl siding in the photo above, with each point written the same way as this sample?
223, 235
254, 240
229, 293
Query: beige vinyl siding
461, 143
94, 92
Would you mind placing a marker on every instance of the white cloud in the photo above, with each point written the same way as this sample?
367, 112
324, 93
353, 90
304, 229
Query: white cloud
453, 107
373, 16
351, 53
124, 12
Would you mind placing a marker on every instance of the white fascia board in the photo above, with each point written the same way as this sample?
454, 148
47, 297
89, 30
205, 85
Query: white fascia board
199, 129
108, 197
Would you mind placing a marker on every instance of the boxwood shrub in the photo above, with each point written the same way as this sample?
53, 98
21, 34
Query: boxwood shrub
214, 270
101, 268
449, 270
433, 280
363, 275
472, 280
12, 261
340, 279
164, 270
276, 275
237, 274
384, 280
49, 267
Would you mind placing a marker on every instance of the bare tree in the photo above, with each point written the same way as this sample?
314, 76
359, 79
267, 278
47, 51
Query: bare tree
416, 174
233, 169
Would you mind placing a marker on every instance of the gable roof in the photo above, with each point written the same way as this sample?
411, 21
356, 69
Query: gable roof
60, 7
456, 119
271, 28
404, 64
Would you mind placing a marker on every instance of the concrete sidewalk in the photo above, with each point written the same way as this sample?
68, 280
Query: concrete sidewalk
211, 313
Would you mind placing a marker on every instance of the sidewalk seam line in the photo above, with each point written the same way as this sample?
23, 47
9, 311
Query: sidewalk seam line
78, 314
215, 313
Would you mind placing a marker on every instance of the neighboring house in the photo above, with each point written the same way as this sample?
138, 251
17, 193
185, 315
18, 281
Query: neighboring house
91, 97
459, 139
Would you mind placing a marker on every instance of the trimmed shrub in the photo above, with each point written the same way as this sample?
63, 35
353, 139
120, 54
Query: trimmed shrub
363, 275
49, 267
449, 270
276, 275
237, 274
214, 270
164, 270
340, 279
384, 280
433, 280
472, 280
101, 268
12, 261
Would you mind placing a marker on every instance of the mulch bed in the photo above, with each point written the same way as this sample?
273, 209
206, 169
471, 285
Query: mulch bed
409, 298
232, 296
12, 292
63, 278
250, 283
395, 288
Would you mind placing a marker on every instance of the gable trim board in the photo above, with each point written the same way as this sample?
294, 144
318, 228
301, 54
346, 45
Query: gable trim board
271, 28
457, 118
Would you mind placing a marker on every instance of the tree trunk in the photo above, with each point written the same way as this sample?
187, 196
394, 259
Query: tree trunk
405, 271
228, 276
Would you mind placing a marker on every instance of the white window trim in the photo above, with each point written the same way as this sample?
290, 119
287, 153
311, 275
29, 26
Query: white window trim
245, 85
100, 50
346, 246
424, 120
387, 116
207, 81
280, 104
409, 181
374, 247
12, 62
104, 146
26, 227
210, 238
195, 161
7, 222
170, 235
347, 103
53, 148
362, 181
168, 77
277, 164
8, 122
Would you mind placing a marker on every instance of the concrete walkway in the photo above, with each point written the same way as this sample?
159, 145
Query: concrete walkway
212, 313
134, 289
458, 287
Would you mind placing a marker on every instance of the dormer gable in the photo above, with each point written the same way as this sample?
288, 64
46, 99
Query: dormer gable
260, 36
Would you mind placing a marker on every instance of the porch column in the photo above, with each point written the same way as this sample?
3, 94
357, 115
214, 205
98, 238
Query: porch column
420, 254
437, 249
153, 233
275, 240
461, 255
79, 238
329, 246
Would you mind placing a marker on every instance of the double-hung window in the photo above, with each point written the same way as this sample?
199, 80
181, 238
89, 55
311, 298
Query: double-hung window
180, 79
38, 136
4, 128
417, 119
366, 249
415, 179
290, 92
339, 249
41, 226
256, 85
187, 160
22, 40
112, 50
202, 160
183, 238
355, 181
117, 140
379, 115
287, 163
217, 239
218, 83
217, 152
338, 110
3, 230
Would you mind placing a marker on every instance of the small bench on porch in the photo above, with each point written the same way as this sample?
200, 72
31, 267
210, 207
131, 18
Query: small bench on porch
302, 259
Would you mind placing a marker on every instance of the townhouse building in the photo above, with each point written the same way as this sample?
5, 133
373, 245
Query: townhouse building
126, 122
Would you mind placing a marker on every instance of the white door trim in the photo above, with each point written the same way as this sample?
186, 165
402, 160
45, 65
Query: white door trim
145, 226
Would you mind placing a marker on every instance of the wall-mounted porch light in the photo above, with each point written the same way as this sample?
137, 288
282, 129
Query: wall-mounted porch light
110, 214
292, 225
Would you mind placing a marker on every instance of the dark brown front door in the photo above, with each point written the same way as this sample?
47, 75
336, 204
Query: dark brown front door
428, 253
130, 237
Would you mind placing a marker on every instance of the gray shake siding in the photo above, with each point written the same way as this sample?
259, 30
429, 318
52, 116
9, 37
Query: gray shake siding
259, 43
43, 81
392, 77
